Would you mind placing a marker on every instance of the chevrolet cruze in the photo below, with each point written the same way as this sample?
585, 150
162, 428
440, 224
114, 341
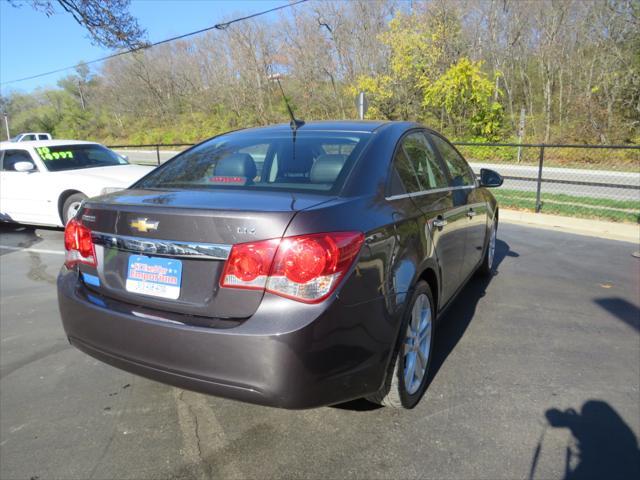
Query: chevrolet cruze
292, 266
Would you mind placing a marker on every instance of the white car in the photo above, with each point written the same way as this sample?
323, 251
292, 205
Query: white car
44, 182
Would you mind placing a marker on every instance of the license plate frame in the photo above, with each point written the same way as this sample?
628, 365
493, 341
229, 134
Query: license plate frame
154, 276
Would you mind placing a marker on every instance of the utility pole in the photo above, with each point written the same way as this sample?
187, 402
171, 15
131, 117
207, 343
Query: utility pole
362, 104
6, 125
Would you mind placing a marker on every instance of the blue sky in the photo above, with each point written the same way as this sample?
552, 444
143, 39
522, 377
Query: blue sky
32, 43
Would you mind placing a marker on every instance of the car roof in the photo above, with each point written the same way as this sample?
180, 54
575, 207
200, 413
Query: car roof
327, 126
44, 143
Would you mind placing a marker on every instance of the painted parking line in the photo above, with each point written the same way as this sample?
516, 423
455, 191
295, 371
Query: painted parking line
34, 250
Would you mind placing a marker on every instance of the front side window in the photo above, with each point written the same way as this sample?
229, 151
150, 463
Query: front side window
424, 161
317, 161
72, 157
11, 157
461, 174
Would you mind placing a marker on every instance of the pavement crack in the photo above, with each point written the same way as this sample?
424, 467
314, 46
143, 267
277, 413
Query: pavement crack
204, 439
192, 443
196, 428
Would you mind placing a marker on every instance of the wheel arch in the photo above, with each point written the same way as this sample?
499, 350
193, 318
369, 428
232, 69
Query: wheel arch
431, 278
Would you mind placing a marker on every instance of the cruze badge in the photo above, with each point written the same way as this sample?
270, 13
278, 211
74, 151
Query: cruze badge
144, 225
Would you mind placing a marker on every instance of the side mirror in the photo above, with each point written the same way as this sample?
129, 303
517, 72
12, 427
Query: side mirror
490, 178
24, 167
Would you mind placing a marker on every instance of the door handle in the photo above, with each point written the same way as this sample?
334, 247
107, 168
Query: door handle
439, 222
471, 213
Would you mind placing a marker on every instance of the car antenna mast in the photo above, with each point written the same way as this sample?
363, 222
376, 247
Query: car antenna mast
294, 123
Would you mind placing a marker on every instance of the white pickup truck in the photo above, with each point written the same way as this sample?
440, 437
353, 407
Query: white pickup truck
31, 136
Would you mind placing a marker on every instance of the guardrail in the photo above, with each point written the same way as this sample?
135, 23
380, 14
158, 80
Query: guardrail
594, 181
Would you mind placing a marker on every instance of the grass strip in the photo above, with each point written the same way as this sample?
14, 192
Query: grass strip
571, 206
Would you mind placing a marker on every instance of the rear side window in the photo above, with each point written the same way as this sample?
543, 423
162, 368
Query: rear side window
424, 161
317, 161
461, 174
403, 177
11, 157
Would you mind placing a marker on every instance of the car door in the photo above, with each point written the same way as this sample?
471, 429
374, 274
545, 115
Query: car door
402, 184
467, 201
22, 194
440, 221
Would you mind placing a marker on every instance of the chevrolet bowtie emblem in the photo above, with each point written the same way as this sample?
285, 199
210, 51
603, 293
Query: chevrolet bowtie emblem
143, 225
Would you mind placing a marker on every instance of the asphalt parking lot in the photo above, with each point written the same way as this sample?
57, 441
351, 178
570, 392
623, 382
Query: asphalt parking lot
537, 375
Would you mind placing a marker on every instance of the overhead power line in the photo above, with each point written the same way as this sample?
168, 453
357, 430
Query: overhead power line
217, 26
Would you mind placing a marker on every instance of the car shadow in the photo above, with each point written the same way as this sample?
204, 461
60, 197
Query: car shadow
358, 405
452, 325
621, 309
603, 445
454, 322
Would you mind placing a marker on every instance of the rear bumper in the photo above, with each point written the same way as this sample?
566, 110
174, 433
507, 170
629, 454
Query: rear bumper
287, 354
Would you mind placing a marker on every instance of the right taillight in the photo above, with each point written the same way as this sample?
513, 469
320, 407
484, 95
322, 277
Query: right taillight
306, 268
78, 245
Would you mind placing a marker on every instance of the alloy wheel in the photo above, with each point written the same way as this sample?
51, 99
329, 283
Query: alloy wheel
417, 344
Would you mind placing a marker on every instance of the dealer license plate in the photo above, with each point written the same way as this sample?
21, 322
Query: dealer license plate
158, 277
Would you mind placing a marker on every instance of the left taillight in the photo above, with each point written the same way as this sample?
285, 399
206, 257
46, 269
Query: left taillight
306, 268
78, 245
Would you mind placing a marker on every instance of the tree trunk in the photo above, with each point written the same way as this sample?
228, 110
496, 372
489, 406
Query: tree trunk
547, 109
560, 100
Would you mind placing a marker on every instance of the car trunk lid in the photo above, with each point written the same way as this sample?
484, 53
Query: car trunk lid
181, 239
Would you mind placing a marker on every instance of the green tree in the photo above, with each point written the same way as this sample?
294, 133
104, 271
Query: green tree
419, 45
466, 94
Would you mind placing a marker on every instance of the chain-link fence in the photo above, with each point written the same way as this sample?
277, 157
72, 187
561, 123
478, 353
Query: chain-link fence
601, 182
589, 181
150, 154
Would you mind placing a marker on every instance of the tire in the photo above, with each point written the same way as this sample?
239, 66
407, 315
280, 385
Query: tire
395, 392
486, 267
71, 206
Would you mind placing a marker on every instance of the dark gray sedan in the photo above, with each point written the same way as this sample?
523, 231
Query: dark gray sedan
310, 279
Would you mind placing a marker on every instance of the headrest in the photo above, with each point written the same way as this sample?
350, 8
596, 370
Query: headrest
237, 165
296, 163
327, 168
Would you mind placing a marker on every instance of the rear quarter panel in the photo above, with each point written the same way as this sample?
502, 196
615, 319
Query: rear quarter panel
376, 288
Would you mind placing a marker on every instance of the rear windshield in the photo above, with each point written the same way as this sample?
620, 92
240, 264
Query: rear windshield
71, 157
317, 161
